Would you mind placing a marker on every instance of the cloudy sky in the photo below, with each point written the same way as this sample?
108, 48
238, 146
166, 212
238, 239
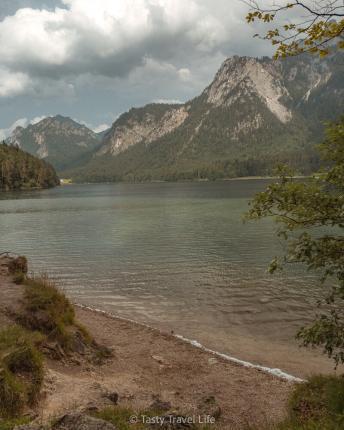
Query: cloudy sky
92, 60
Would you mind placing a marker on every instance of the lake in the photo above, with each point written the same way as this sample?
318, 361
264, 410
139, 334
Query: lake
176, 256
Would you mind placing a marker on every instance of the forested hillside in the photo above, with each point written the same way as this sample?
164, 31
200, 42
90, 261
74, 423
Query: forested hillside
256, 114
20, 170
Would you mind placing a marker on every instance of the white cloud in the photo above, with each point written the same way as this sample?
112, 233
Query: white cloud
184, 74
106, 37
12, 83
6, 132
21, 122
168, 101
89, 58
96, 128
101, 127
37, 119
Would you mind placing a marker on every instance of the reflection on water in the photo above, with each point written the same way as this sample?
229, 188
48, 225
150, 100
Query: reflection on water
175, 256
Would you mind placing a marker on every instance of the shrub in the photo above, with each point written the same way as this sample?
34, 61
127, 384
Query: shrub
319, 399
12, 394
21, 370
317, 404
47, 310
18, 265
18, 277
13, 423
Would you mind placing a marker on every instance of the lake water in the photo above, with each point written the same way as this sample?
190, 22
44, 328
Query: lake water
175, 256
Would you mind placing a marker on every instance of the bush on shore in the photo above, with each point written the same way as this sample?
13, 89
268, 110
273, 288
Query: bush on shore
48, 311
317, 404
18, 265
21, 370
10, 424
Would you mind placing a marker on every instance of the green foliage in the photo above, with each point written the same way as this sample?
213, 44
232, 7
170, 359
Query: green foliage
21, 370
48, 311
321, 398
18, 268
315, 209
10, 424
19, 170
313, 32
121, 416
317, 404
18, 278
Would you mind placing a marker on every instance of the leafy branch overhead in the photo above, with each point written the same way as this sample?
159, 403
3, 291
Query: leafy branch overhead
310, 216
320, 25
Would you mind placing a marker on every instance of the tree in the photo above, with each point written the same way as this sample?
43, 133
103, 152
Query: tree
319, 30
310, 216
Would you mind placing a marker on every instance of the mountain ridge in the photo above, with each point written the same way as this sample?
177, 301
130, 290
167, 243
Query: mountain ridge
256, 113
57, 139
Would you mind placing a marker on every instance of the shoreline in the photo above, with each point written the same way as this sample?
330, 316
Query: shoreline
268, 370
146, 365
187, 181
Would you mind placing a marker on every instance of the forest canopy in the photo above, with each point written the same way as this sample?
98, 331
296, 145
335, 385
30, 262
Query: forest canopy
20, 170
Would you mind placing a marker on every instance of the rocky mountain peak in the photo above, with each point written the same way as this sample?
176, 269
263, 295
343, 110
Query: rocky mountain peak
59, 139
244, 77
61, 124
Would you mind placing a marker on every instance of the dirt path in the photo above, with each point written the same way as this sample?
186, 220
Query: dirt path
148, 364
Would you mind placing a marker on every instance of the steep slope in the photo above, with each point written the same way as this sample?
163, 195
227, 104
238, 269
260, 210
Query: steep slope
19, 170
59, 140
145, 124
255, 113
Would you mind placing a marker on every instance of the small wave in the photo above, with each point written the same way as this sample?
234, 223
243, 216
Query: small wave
272, 371
276, 372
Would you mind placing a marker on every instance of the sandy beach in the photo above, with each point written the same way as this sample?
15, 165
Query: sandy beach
147, 365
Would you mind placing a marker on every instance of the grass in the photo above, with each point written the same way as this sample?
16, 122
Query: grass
21, 370
48, 311
121, 417
18, 265
12, 423
18, 269
317, 404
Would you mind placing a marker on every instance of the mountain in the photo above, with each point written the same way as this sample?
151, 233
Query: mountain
21, 170
59, 140
255, 114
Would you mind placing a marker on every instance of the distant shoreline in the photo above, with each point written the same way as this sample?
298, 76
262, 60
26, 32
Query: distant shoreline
160, 181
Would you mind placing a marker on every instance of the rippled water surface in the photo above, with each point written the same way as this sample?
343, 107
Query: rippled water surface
176, 256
